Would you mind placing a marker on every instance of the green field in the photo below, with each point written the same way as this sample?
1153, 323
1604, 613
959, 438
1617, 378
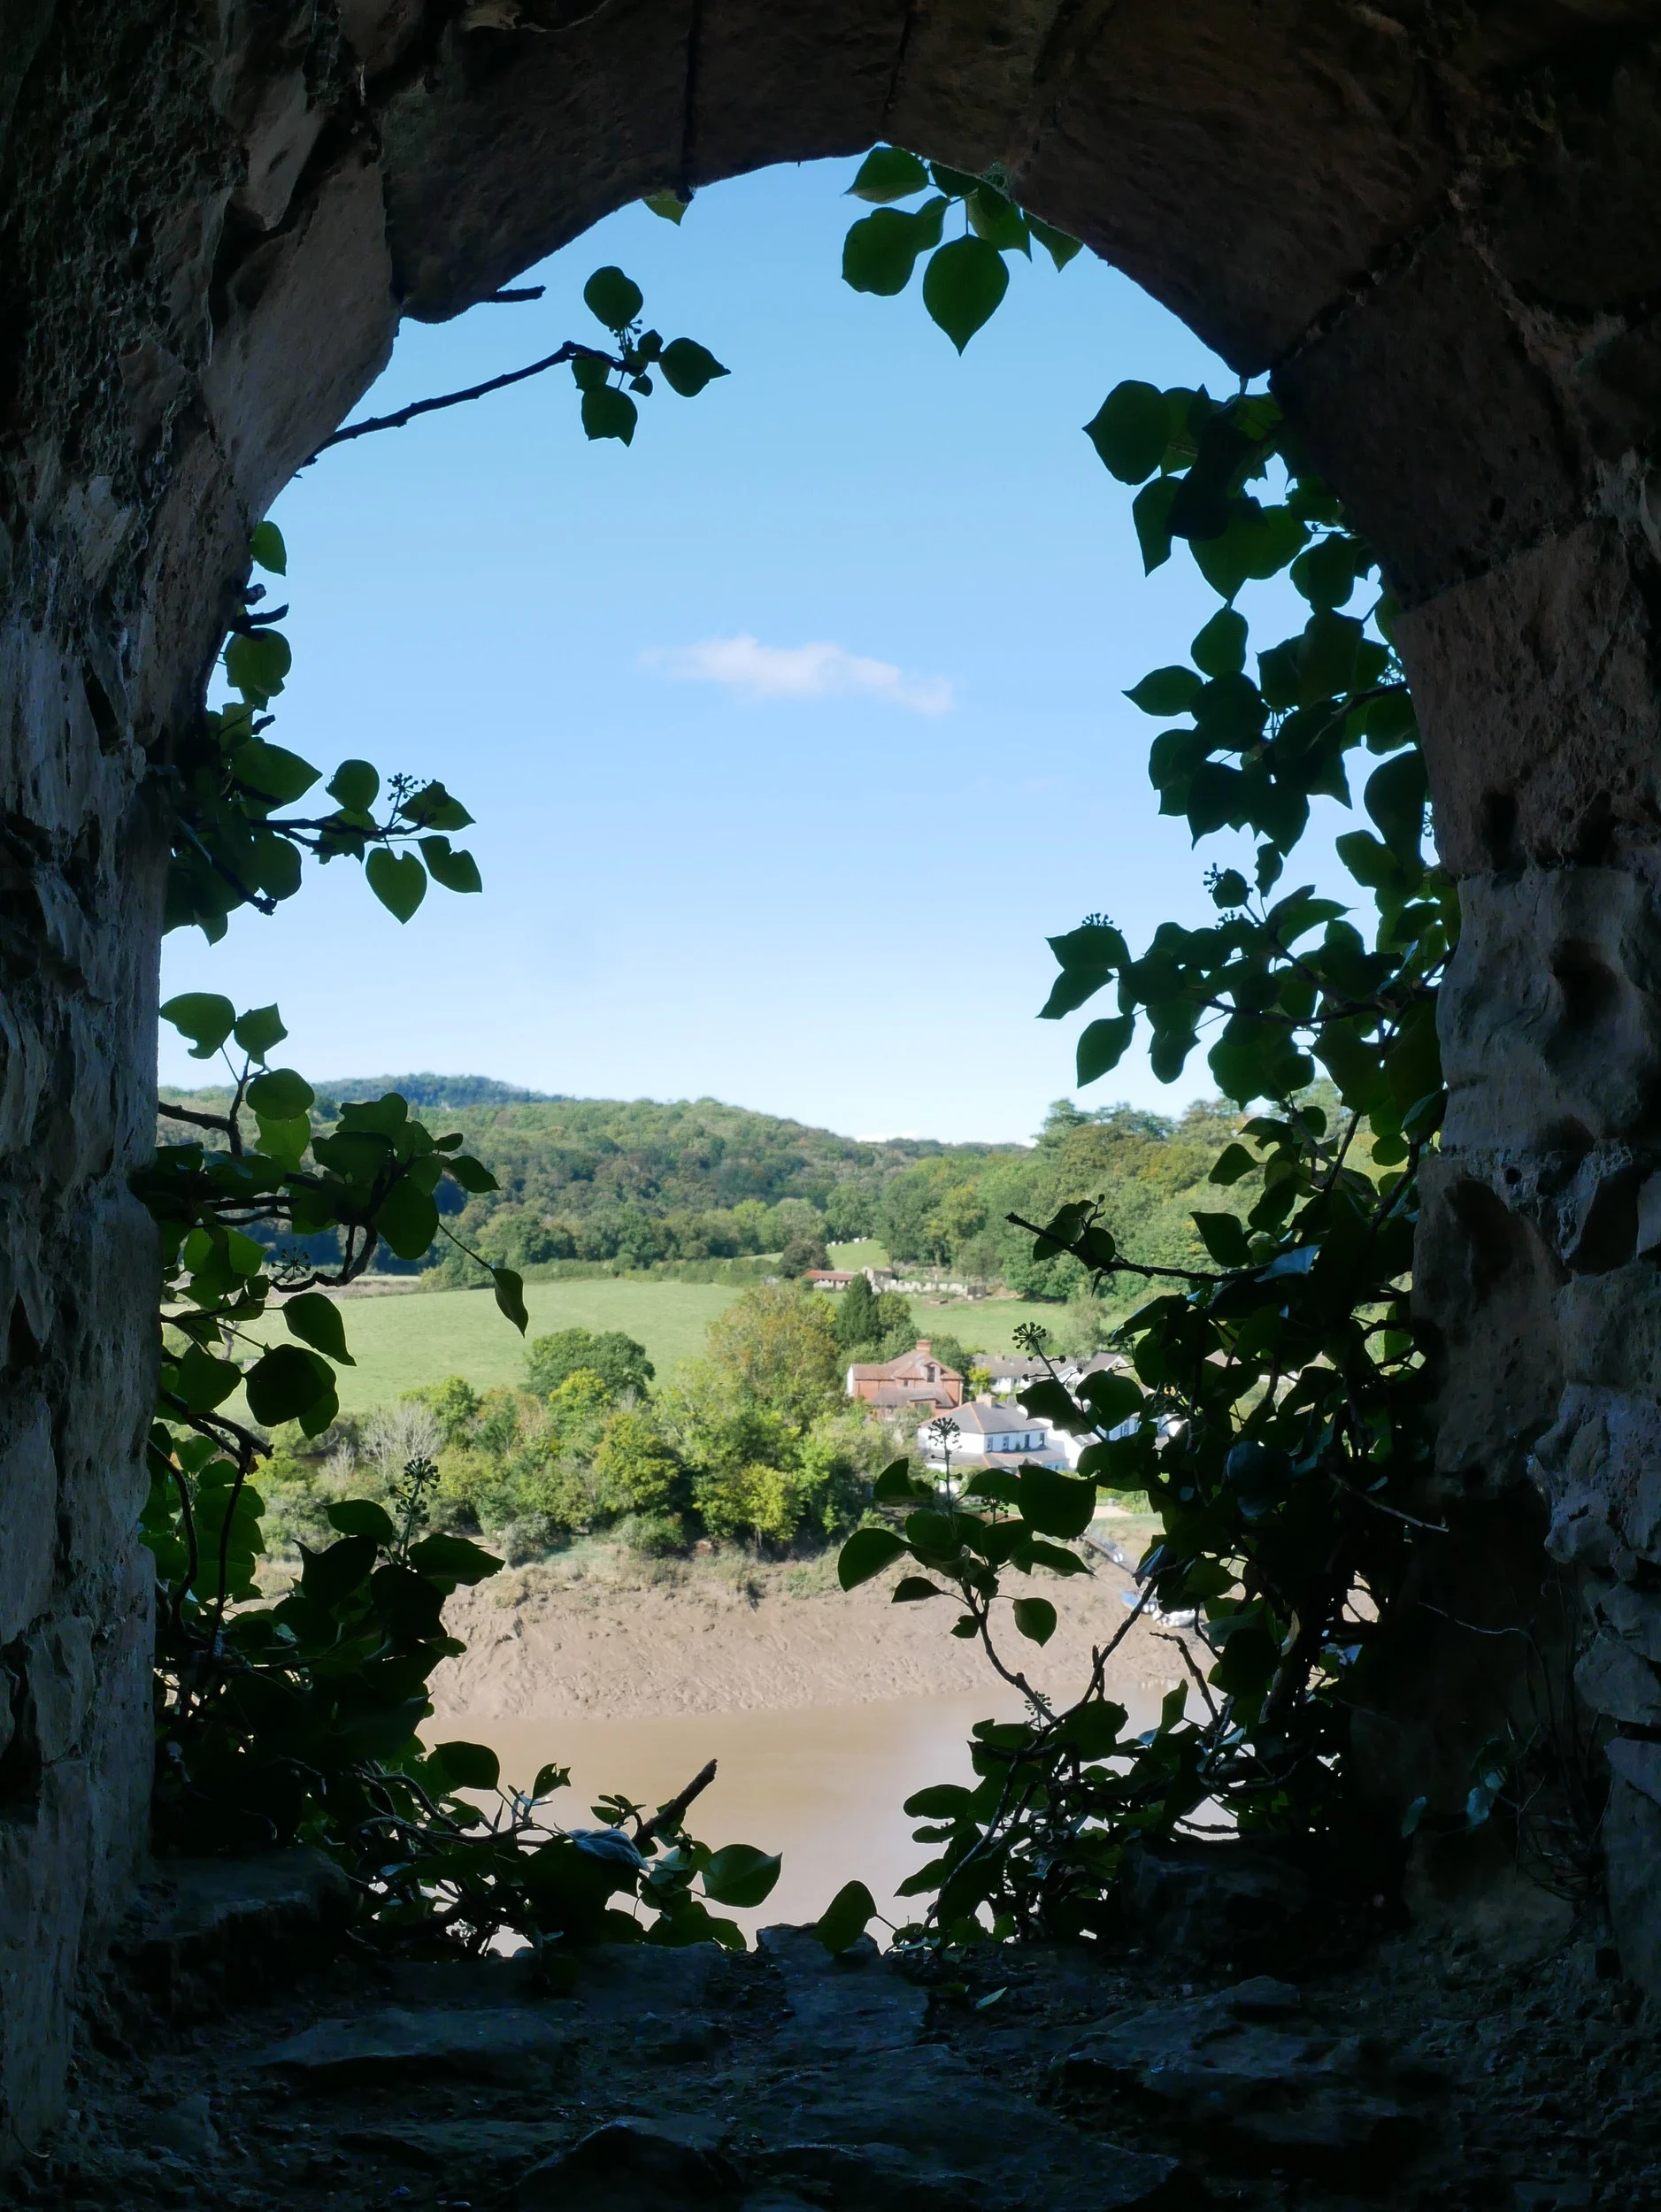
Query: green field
404, 1339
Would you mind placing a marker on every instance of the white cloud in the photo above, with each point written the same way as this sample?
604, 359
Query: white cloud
801, 672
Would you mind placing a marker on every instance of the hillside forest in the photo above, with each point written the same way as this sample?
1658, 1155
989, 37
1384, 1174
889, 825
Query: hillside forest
598, 1186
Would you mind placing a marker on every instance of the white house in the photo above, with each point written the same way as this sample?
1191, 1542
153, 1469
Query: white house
993, 1435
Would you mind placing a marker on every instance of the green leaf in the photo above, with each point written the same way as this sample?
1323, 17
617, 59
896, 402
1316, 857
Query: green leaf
962, 287
272, 772
203, 1017
1130, 431
257, 1030
1220, 647
471, 1174
356, 785
1224, 1237
397, 879
1054, 1504
612, 299
1396, 797
669, 205
609, 413
469, 1766
453, 1559
280, 1094
316, 1320
509, 1297
457, 872
268, 550
866, 1553
845, 1919
994, 218
688, 366
256, 662
361, 1517
286, 1383
205, 1382
879, 252
1035, 1619
408, 1219
912, 1589
887, 173
590, 372
1231, 1164
897, 1485
285, 1141
1150, 513
432, 807
741, 1875
1166, 691
1102, 1045
1060, 245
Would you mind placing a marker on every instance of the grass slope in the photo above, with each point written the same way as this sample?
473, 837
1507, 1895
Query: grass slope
400, 1341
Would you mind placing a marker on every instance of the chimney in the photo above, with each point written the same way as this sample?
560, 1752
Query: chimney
924, 1347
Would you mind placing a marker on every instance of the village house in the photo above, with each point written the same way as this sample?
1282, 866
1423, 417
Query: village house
995, 1435
916, 1378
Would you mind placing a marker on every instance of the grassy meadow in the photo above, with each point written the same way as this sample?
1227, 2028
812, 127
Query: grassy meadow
404, 1339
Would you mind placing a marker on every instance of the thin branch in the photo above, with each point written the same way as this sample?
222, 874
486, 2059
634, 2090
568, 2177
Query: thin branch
1119, 1267
669, 1816
198, 1121
570, 351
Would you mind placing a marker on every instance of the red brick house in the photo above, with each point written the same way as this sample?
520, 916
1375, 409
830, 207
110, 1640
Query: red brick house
916, 1378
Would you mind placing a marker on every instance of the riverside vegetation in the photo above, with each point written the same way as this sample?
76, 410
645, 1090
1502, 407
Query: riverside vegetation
1276, 1408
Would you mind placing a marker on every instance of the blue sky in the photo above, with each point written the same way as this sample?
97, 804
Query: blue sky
816, 881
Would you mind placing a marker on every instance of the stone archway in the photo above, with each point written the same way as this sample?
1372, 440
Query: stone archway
1440, 232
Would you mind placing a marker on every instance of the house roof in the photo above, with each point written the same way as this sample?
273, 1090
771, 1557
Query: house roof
909, 1367
982, 1419
910, 1395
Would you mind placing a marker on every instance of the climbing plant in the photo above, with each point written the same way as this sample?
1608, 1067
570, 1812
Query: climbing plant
299, 1719
1273, 1405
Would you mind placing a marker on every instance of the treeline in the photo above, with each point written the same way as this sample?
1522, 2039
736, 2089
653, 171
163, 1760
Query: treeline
755, 1442
607, 1184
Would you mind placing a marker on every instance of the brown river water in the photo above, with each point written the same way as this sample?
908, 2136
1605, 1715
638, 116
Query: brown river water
824, 1784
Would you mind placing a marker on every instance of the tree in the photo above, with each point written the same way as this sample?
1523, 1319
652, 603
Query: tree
635, 1467
850, 1213
800, 1253
857, 1324
619, 1363
778, 1345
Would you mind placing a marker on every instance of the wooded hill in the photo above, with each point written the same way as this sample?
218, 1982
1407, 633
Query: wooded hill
632, 1184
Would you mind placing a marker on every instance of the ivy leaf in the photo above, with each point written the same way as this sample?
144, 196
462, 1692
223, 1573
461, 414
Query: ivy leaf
887, 173
993, 217
272, 771
432, 807
205, 1382
613, 299
688, 366
268, 550
471, 1174
741, 1875
256, 662
509, 1297
285, 1384
1055, 1505
866, 1553
962, 287
879, 252
203, 1017
1150, 513
1035, 1619
451, 1560
316, 1320
1166, 691
669, 205
1231, 1164
609, 413
257, 1030
912, 1589
1220, 648
1060, 245
408, 1219
1130, 431
397, 879
1224, 1237
361, 1517
1103, 1045
457, 872
355, 786
845, 1919
281, 1094
468, 1766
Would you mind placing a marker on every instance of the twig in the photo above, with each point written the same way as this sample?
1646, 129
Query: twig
1118, 1266
570, 351
1166, 1637
669, 1816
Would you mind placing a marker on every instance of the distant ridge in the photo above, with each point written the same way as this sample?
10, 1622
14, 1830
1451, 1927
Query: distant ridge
448, 1093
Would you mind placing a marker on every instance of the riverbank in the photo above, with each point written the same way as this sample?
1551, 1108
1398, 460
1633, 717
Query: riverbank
598, 1633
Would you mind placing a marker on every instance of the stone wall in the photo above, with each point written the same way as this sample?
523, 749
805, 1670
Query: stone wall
1440, 228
